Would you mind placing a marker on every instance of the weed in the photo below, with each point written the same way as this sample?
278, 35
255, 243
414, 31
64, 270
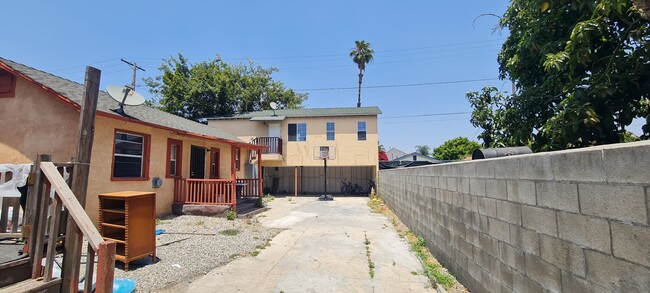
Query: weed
268, 198
414, 273
229, 232
255, 253
259, 203
199, 223
371, 265
158, 221
231, 215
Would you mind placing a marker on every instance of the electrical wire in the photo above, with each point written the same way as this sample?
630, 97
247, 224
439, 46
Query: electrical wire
397, 85
426, 115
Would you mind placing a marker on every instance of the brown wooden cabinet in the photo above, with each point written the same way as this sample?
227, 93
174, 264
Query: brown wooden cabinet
129, 219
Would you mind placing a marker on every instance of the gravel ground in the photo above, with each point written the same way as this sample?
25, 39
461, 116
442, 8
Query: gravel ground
192, 246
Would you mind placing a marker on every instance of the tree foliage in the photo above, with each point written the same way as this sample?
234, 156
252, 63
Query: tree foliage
455, 149
423, 149
582, 70
216, 88
362, 54
489, 114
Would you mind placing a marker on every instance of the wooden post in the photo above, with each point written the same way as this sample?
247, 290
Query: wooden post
295, 181
233, 177
74, 238
32, 216
105, 267
260, 192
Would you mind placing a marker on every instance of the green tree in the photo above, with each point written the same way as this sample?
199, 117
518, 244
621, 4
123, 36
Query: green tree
455, 149
423, 149
362, 54
216, 88
582, 71
489, 114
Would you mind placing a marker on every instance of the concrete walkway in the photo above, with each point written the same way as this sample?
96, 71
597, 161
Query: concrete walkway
322, 250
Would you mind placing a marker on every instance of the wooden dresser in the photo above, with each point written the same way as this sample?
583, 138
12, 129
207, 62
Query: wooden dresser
129, 219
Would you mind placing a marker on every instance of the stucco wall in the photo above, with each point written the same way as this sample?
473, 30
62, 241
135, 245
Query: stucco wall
35, 122
349, 150
570, 221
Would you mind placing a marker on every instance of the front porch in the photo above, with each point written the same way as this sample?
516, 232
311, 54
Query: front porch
216, 196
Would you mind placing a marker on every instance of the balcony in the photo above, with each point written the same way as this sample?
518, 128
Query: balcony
273, 152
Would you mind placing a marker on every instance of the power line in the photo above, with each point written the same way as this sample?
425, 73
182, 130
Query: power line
397, 85
424, 121
426, 115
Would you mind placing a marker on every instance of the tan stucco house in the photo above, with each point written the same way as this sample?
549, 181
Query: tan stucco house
196, 163
296, 138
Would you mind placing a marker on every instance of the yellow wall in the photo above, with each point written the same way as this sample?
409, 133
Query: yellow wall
349, 150
36, 122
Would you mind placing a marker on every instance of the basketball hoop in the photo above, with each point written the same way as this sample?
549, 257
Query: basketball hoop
325, 153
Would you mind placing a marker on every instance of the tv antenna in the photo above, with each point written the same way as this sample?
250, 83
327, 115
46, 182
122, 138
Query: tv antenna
274, 106
135, 69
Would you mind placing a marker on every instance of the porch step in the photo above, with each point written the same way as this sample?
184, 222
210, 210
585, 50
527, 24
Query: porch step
32, 285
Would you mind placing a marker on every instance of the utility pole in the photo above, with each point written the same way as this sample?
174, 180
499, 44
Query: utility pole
135, 69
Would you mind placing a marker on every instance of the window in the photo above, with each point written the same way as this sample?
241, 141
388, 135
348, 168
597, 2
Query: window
214, 163
330, 130
415, 158
237, 159
131, 156
361, 130
7, 84
297, 131
174, 157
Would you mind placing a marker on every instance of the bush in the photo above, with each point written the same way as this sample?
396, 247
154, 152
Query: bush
259, 203
455, 149
231, 215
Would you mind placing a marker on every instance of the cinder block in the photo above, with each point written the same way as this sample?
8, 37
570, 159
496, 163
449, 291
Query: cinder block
474, 271
487, 206
616, 275
507, 168
463, 185
571, 283
472, 237
544, 273
536, 167
481, 258
484, 168
509, 212
521, 191
477, 186
563, 254
618, 202
511, 256
628, 162
499, 230
524, 239
483, 224
561, 196
442, 182
501, 271
631, 243
579, 165
539, 219
496, 188
584, 230
452, 183
488, 244
521, 283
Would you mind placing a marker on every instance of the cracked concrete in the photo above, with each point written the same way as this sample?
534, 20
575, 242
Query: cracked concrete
322, 250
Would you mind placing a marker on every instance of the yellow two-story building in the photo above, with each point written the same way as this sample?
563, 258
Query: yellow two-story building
300, 141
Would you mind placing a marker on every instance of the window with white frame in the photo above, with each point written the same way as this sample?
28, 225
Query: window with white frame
330, 131
130, 155
361, 130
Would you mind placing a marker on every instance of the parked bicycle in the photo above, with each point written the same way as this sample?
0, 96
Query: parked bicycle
349, 188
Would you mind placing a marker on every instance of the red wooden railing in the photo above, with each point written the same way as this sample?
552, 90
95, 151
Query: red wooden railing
249, 187
274, 144
204, 191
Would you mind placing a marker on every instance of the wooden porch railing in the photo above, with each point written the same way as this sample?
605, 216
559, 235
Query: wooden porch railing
48, 179
274, 144
249, 187
204, 191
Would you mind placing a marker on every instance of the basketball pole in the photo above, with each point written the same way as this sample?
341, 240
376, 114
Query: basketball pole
325, 162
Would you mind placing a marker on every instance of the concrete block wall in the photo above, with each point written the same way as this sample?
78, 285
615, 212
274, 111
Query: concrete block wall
567, 221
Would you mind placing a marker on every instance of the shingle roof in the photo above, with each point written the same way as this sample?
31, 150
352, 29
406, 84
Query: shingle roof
317, 112
74, 91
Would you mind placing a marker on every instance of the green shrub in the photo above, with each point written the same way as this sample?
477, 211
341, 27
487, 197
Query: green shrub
231, 215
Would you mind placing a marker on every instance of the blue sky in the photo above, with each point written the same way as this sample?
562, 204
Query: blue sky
309, 41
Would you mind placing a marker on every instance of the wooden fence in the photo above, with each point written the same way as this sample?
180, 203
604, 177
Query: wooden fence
204, 191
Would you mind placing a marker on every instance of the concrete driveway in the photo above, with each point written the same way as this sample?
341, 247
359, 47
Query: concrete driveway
322, 250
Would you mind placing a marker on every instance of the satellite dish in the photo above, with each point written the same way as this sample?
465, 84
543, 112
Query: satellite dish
274, 106
124, 95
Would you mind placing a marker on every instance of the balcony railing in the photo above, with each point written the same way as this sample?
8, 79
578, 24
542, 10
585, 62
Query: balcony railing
204, 191
274, 144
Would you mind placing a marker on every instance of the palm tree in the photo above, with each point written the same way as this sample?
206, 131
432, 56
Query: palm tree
362, 54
